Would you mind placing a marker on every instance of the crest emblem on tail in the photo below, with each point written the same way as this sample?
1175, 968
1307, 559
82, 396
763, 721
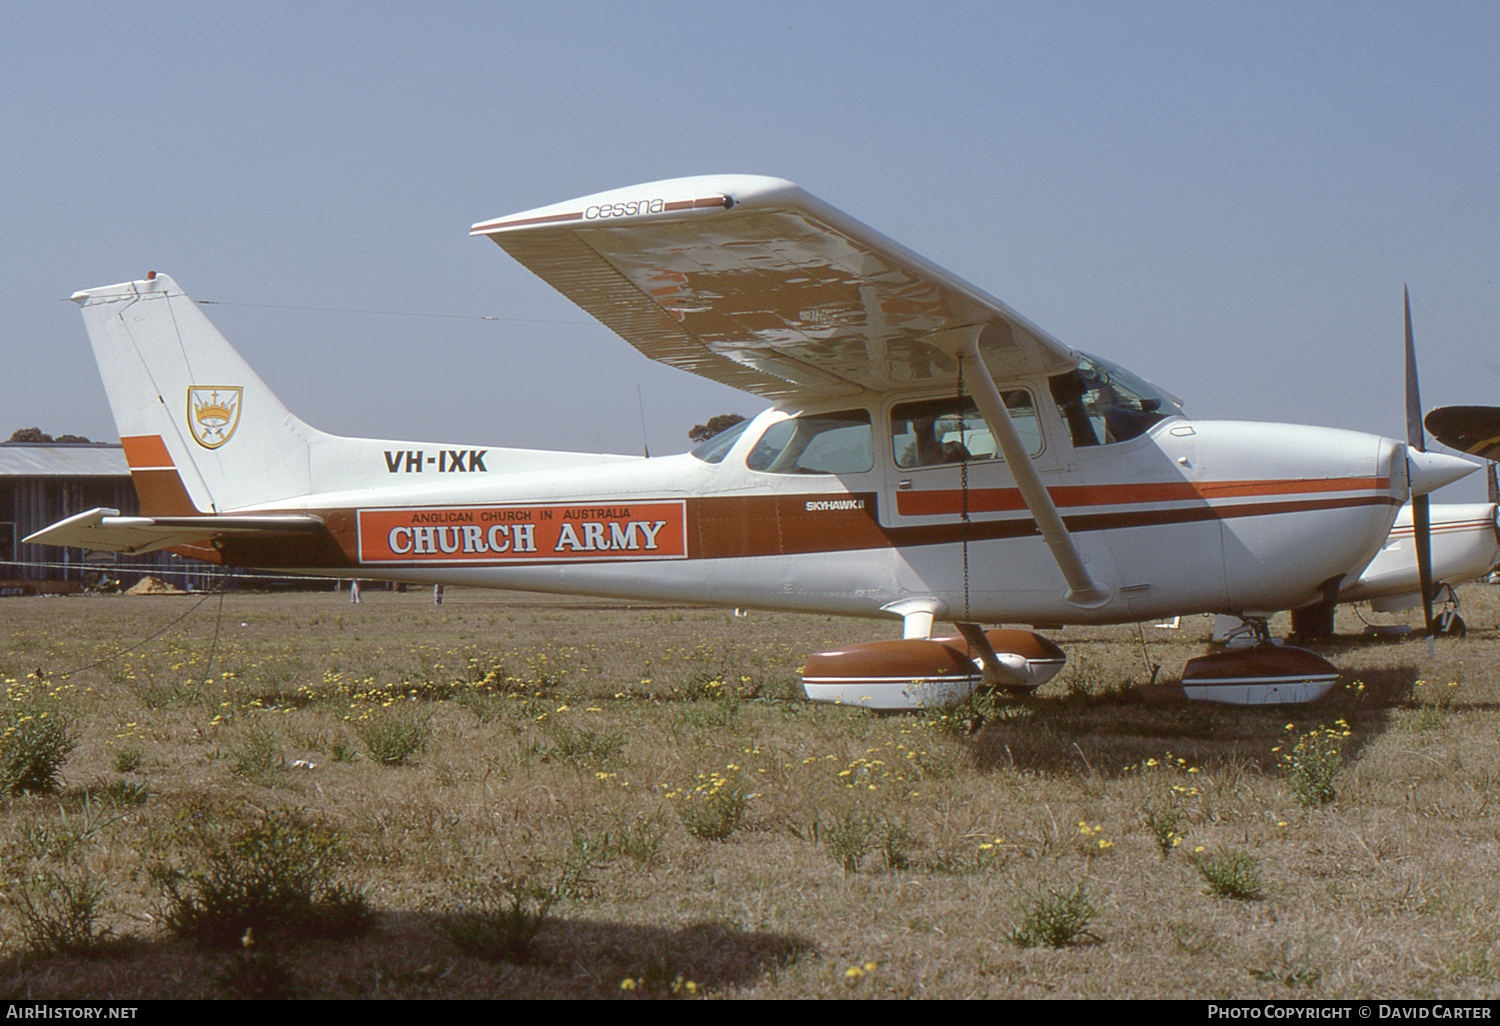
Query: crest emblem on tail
213, 412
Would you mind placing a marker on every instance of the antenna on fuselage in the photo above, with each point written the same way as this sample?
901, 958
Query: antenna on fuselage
641, 401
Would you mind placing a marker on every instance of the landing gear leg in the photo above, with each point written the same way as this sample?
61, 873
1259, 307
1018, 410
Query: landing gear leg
1250, 631
1260, 629
1313, 622
1447, 621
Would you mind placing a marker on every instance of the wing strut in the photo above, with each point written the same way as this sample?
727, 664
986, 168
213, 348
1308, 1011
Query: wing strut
1083, 591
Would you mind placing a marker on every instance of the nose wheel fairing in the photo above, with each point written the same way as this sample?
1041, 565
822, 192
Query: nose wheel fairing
1267, 674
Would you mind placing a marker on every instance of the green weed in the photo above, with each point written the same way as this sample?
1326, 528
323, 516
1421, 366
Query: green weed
640, 839
501, 919
581, 746
60, 913
713, 808
39, 838
154, 695
848, 839
275, 876
392, 738
122, 794
1163, 822
1230, 874
1054, 919
964, 717
1312, 761
256, 754
1434, 704
36, 738
896, 842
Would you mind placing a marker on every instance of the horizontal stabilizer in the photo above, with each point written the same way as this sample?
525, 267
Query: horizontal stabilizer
104, 530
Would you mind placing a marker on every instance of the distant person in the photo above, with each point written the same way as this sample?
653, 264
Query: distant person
354, 592
437, 594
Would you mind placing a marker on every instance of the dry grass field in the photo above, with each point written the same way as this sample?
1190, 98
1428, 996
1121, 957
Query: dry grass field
526, 796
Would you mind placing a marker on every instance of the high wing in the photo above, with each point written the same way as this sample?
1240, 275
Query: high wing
1471, 429
756, 284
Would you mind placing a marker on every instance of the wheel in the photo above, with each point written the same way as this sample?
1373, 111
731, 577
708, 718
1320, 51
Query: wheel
1450, 624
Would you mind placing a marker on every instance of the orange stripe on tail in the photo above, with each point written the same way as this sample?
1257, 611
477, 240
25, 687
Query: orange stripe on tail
157, 482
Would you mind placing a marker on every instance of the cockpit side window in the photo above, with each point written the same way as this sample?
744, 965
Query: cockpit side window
932, 432
816, 443
1103, 404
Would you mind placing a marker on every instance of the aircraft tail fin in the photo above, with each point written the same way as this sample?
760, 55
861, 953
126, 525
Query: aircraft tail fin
201, 432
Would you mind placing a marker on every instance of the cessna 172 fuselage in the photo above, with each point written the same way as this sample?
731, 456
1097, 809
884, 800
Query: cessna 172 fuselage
930, 454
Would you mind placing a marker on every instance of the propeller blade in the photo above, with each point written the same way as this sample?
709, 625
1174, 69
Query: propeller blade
1421, 522
1416, 438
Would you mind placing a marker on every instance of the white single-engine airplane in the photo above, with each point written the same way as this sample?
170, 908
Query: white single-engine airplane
930, 455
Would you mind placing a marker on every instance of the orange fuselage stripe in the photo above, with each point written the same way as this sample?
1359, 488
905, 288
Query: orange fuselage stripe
997, 500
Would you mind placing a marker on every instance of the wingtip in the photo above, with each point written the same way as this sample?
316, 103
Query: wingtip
673, 197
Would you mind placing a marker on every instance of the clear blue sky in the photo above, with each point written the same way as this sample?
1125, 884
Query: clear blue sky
1224, 197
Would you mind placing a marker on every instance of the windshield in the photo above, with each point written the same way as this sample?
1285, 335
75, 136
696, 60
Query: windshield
1103, 403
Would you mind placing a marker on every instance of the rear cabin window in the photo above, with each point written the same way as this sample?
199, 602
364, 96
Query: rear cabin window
817, 443
932, 432
716, 448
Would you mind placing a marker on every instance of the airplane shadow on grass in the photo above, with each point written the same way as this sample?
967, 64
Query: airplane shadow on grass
1118, 732
406, 956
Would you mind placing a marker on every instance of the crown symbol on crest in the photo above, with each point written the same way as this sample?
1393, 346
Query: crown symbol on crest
213, 413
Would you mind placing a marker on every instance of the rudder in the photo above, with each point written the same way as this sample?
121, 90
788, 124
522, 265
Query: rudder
200, 430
